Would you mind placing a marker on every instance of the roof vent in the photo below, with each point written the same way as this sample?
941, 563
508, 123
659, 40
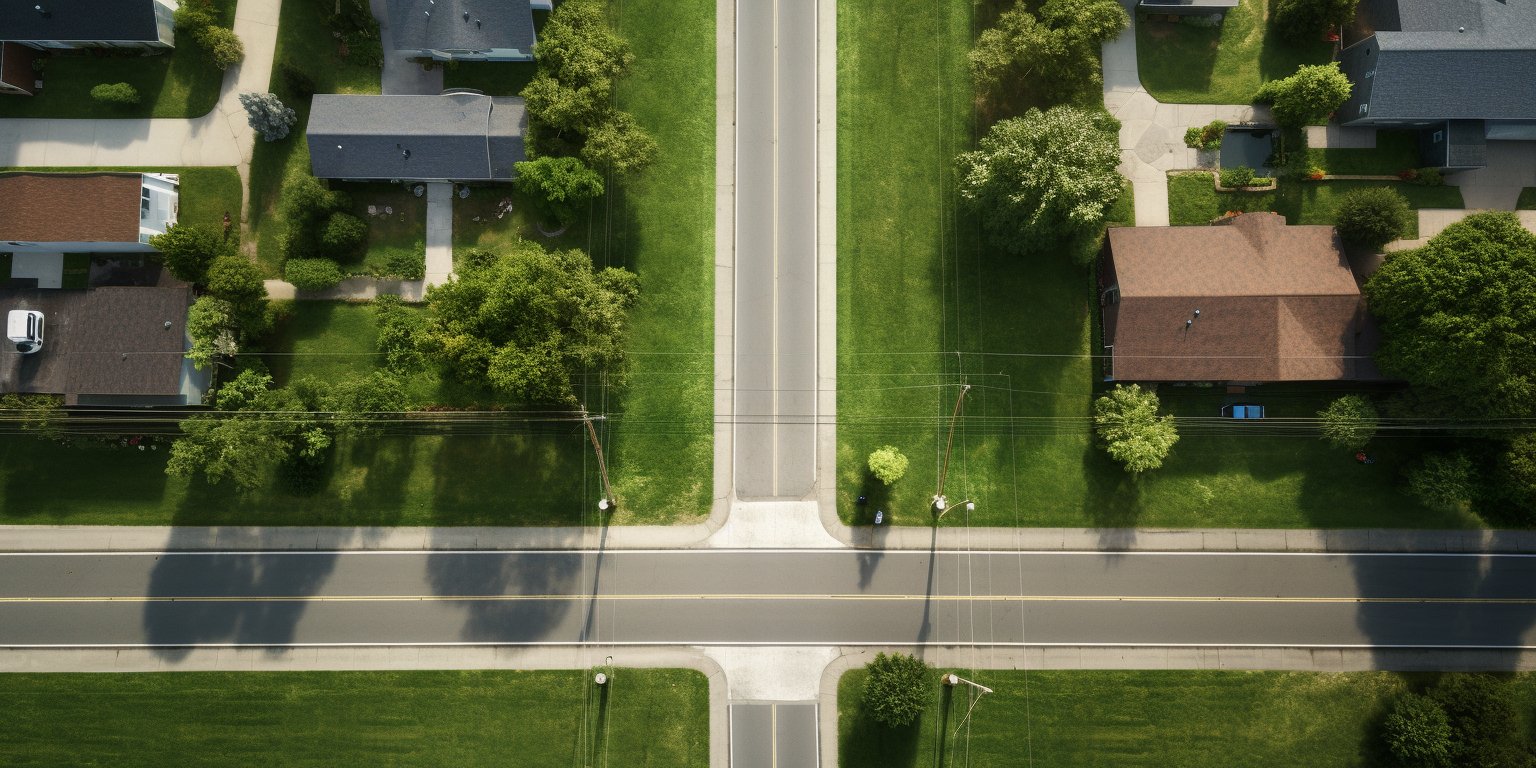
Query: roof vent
45, 14
466, 15
1461, 29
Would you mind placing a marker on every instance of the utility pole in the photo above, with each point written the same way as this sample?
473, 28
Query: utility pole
981, 690
939, 502
607, 502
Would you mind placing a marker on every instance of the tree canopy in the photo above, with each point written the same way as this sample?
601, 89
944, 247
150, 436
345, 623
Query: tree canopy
1043, 177
887, 464
897, 688
1418, 733
1458, 316
1374, 216
526, 321
1311, 94
1056, 53
560, 184
1130, 429
1349, 422
1304, 21
188, 250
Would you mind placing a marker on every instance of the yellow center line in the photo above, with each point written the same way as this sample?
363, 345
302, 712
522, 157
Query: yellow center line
674, 597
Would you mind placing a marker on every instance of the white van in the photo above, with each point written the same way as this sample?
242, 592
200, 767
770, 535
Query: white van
24, 327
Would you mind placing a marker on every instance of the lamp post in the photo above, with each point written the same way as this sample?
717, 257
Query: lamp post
970, 506
938, 498
607, 502
981, 690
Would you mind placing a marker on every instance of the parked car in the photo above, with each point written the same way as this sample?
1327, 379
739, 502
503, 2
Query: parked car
1242, 411
25, 329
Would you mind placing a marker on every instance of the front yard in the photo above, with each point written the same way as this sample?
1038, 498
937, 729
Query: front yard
178, 83
1187, 63
1193, 199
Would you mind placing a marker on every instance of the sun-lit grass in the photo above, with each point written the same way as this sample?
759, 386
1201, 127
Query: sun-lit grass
1192, 199
1188, 64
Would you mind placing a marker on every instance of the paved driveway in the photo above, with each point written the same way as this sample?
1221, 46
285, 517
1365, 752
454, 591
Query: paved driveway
1511, 167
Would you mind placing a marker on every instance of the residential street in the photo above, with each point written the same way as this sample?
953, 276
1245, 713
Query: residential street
768, 597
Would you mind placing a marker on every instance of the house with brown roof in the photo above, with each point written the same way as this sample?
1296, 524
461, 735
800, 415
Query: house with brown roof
1245, 300
46, 215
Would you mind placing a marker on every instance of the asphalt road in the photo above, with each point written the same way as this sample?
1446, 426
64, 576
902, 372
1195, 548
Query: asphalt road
775, 314
768, 597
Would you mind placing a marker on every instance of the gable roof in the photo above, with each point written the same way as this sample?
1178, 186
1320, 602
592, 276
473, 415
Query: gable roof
1277, 303
461, 136
461, 25
101, 341
114, 20
70, 207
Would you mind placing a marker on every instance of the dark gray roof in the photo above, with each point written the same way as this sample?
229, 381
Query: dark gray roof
1435, 25
126, 20
459, 137
102, 341
443, 26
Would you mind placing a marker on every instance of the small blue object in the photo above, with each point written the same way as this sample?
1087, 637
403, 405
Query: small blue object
879, 516
863, 500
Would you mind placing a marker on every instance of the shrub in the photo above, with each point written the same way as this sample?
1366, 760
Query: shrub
312, 274
210, 323
121, 94
1373, 217
1207, 138
307, 202
188, 250
191, 18
1418, 733
238, 281
897, 689
560, 184
1484, 721
1132, 434
1241, 176
1313, 93
222, 46
888, 464
1302, 21
408, 266
267, 115
1349, 422
1427, 177
343, 232
1442, 480
399, 330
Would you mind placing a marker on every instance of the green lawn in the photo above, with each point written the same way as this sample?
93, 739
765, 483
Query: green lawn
1193, 200
1527, 201
655, 718
1190, 719
403, 232
207, 192
178, 83
1395, 151
1187, 64
303, 40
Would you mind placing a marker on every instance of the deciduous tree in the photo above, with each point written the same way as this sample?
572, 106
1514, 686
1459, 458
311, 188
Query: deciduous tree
1374, 216
1311, 94
1349, 422
1129, 427
189, 249
887, 464
1303, 21
1056, 53
1418, 733
897, 688
560, 184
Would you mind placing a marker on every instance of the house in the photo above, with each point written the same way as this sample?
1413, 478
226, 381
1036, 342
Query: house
1187, 7
43, 24
110, 346
459, 137
48, 215
1246, 300
465, 30
1462, 72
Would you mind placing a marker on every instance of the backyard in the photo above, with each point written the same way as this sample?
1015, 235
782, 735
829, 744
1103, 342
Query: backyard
207, 192
645, 717
1193, 199
177, 83
1191, 719
1189, 63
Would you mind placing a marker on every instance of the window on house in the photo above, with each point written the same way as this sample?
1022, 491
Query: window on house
1439, 135
1364, 108
143, 202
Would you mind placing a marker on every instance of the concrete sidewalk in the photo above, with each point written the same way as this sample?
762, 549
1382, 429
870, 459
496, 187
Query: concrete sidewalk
355, 288
439, 242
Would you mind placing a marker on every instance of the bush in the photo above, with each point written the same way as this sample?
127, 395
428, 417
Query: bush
1485, 728
191, 18
1427, 177
1373, 217
222, 46
1304, 21
1128, 426
307, 202
408, 266
897, 689
1311, 94
1349, 422
888, 464
343, 232
188, 250
238, 281
559, 184
1418, 733
1442, 480
1241, 176
399, 330
121, 94
1207, 138
267, 115
312, 274
210, 323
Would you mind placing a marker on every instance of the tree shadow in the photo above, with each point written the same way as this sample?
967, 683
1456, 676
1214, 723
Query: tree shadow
1114, 498
533, 574
881, 746
536, 478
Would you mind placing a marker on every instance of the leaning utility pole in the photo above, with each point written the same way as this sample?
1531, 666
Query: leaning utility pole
938, 498
607, 502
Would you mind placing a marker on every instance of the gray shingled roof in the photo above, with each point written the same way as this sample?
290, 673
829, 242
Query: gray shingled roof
125, 20
102, 341
442, 25
461, 137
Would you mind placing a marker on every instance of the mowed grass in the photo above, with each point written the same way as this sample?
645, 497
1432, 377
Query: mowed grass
303, 40
207, 192
1187, 64
178, 83
1193, 199
1527, 200
926, 305
401, 233
657, 718
1395, 151
1096, 719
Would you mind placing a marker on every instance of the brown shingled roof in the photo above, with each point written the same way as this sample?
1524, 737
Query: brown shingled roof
1277, 303
70, 207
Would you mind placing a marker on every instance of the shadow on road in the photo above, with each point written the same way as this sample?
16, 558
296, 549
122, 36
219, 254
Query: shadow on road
508, 573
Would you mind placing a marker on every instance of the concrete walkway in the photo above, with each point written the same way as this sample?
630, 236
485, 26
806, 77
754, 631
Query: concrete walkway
1152, 133
355, 288
439, 233
221, 137
1432, 221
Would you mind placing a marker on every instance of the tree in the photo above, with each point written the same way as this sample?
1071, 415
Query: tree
343, 232
237, 280
620, 145
121, 94
221, 45
1043, 177
1457, 316
887, 464
1349, 422
1311, 94
190, 17
567, 108
526, 321
1418, 733
560, 184
236, 449
1374, 216
188, 250
897, 688
1304, 21
1516, 473
312, 274
1443, 480
1130, 429
1485, 723
211, 324
400, 329
578, 48
267, 115
1056, 54
41, 415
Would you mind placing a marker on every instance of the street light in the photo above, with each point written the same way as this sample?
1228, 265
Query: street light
939, 501
953, 680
